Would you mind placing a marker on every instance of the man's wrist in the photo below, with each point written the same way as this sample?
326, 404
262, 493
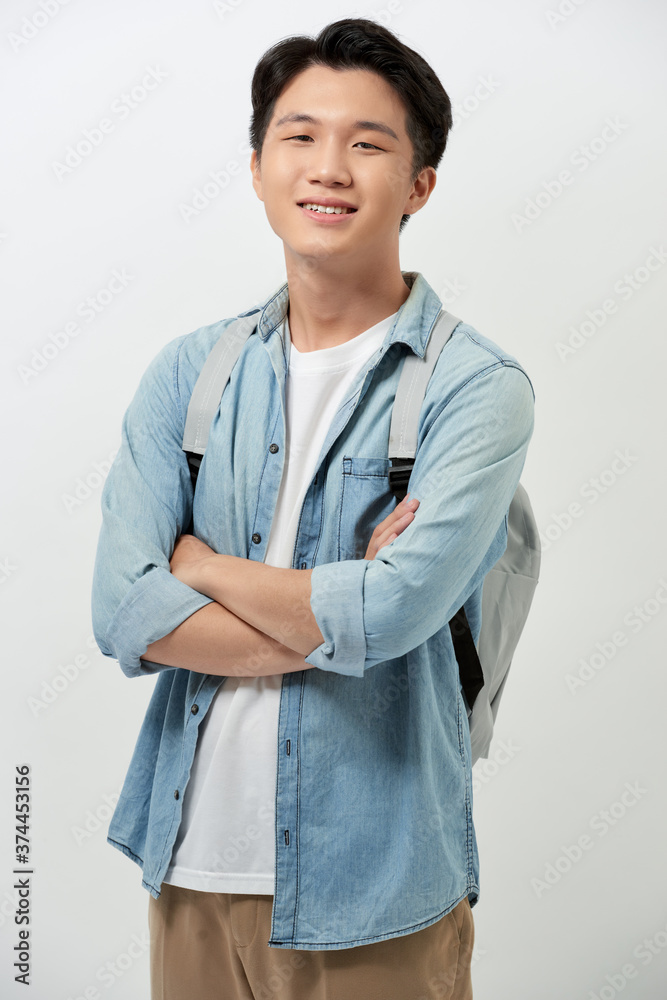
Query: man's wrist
213, 578
273, 600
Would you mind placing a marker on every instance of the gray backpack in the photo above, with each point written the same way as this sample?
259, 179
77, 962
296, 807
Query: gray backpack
509, 585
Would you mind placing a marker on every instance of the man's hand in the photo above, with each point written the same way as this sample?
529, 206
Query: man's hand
189, 558
273, 601
392, 526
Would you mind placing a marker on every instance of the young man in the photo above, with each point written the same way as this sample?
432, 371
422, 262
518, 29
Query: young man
300, 795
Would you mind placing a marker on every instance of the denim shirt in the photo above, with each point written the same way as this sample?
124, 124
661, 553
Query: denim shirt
374, 835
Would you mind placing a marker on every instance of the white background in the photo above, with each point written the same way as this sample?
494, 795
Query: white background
533, 91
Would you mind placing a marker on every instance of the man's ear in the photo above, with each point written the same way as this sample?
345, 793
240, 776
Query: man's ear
421, 191
256, 175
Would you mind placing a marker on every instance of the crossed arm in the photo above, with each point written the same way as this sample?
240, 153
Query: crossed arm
260, 621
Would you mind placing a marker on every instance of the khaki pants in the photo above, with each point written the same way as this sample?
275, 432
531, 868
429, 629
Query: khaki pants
212, 946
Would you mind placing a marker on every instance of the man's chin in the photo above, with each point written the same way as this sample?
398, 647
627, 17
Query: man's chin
317, 254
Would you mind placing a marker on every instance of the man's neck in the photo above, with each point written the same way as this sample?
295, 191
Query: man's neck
325, 310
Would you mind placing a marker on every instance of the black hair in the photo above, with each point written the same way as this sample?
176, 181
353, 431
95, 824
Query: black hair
359, 43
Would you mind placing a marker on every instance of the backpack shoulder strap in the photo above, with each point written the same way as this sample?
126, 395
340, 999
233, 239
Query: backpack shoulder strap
414, 378
210, 385
212, 380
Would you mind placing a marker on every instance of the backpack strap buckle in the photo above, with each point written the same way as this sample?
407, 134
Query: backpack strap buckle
399, 476
194, 461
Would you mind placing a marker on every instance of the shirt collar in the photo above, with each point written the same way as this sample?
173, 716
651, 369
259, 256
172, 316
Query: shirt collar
412, 325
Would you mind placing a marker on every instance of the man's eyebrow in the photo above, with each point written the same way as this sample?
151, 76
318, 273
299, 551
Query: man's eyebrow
369, 126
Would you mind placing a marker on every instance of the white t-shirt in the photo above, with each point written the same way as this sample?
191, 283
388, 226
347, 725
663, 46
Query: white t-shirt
226, 839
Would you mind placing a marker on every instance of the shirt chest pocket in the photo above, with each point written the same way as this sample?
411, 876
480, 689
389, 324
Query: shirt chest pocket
365, 500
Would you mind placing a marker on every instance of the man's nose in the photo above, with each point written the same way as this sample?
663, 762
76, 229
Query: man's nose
328, 163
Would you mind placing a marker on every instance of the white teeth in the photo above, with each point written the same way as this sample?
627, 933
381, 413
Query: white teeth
327, 209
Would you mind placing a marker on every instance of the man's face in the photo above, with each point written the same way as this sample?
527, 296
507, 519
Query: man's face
340, 156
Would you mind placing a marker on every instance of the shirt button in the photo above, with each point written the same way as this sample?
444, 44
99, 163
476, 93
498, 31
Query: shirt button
256, 538
194, 709
273, 448
328, 648
176, 795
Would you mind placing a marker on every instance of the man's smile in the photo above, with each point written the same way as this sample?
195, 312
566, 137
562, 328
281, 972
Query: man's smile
327, 211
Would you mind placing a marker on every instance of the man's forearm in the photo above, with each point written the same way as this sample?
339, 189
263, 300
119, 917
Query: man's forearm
261, 621
215, 641
273, 600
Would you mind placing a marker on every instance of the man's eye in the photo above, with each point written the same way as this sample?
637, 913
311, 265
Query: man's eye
369, 144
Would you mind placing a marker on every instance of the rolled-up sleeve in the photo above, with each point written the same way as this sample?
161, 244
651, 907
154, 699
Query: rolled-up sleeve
146, 505
468, 464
